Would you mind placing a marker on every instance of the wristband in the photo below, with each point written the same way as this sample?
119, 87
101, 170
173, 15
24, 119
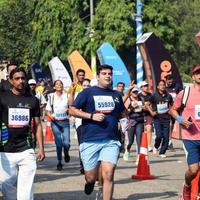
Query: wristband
91, 116
179, 119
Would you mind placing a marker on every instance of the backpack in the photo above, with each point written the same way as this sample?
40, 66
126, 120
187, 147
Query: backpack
176, 133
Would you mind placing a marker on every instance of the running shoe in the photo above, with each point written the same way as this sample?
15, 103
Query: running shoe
162, 156
99, 195
126, 156
150, 149
59, 166
67, 157
89, 187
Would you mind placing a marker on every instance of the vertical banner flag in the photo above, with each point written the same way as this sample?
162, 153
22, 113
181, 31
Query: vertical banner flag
76, 62
139, 68
37, 73
59, 72
107, 55
157, 60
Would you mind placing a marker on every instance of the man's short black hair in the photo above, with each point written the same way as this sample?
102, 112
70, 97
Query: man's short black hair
80, 70
86, 79
16, 70
101, 67
169, 77
160, 82
120, 83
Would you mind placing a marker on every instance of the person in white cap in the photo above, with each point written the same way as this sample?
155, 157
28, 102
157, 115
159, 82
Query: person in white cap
145, 95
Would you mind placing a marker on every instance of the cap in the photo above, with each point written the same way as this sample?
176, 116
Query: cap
134, 89
31, 82
143, 83
195, 69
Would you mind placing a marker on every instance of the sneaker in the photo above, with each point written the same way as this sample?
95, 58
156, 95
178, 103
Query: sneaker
171, 147
162, 156
126, 156
186, 192
155, 151
150, 149
59, 166
99, 195
67, 157
89, 187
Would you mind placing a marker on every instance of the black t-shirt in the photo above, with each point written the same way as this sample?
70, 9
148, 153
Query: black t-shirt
160, 103
145, 98
5, 85
16, 114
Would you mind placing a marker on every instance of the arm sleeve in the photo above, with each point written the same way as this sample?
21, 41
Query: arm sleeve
36, 110
48, 106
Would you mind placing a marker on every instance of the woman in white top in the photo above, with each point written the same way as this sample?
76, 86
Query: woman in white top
57, 110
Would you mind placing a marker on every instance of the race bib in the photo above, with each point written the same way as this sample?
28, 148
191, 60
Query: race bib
139, 107
60, 116
104, 104
197, 112
162, 108
18, 117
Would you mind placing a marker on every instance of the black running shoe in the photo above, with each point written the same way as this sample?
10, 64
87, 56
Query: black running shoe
59, 166
89, 187
67, 157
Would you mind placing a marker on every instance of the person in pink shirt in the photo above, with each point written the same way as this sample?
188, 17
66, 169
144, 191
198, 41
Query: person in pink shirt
190, 121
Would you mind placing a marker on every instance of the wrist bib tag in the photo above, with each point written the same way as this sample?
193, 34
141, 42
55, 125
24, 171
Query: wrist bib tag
18, 117
104, 104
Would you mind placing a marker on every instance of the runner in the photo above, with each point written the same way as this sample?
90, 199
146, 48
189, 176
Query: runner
17, 155
99, 107
173, 89
145, 96
190, 121
160, 102
6, 85
57, 110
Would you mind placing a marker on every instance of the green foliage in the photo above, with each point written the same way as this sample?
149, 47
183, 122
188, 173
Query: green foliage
37, 30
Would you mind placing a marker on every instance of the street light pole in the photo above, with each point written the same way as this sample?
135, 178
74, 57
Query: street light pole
93, 55
139, 67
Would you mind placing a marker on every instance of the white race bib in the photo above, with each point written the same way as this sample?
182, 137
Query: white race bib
197, 112
162, 108
18, 117
104, 104
61, 115
139, 107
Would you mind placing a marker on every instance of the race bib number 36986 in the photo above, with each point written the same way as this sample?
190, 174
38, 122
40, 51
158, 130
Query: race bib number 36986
104, 104
18, 117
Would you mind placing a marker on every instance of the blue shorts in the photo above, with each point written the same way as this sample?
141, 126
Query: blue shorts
192, 150
100, 150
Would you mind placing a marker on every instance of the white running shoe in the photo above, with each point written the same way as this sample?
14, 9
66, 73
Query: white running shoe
126, 156
162, 156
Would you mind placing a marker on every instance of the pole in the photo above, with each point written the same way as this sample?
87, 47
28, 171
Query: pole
93, 55
139, 67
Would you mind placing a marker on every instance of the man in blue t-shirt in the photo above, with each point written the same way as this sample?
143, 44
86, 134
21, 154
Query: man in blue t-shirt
100, 108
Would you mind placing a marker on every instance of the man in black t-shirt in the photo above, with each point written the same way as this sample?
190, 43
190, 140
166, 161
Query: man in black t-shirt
6, 85
160, 102
18, 160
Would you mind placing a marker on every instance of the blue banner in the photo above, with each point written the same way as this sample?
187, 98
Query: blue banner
107, 55
37, 73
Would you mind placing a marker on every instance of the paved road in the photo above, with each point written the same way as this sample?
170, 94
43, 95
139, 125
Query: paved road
68, 184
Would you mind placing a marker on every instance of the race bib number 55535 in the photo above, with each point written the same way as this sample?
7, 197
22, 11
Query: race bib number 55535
18, 117
104, 104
